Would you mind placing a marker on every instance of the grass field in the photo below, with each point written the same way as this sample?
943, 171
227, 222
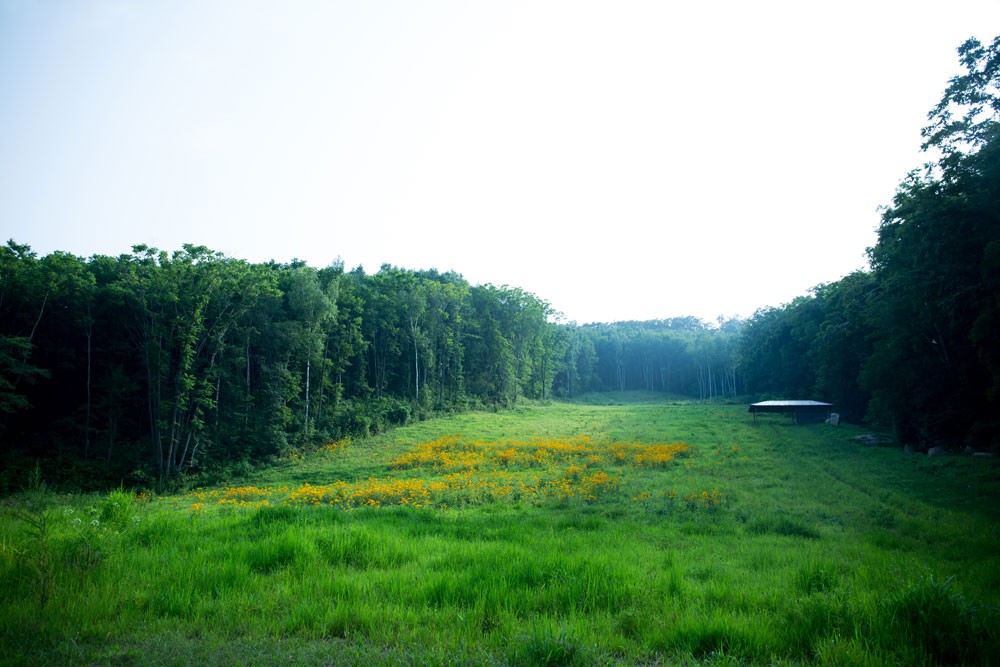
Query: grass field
632, 532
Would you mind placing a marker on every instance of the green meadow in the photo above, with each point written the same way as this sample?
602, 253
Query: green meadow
624, 531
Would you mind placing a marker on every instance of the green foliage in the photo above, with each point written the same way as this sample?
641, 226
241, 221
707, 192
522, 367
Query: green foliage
14, 352
938, 625
117, 508
817, 578
974, 96
25, 286
36, 483
37, 552
781, 525
547, 646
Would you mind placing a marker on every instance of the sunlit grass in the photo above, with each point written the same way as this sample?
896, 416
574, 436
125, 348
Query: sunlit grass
639, 533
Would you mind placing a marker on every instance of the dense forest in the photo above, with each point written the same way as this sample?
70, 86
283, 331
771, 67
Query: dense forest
156, 365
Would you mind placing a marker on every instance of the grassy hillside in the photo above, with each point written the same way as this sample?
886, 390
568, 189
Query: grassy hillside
635, 532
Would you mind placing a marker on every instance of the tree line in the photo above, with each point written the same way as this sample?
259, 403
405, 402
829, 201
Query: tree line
913, 344
154, 363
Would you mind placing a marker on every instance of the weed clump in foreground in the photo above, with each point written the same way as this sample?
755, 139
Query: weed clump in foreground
780, 525
927, 622
940, 626
546, 646
117, 508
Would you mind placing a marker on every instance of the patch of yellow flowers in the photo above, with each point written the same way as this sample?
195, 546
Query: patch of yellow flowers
241, 496
452, 453
457, 472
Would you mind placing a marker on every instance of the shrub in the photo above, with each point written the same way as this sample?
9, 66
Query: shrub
774, 525
117, 508
545, 646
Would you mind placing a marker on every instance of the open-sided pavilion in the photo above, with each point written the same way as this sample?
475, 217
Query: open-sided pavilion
803, 412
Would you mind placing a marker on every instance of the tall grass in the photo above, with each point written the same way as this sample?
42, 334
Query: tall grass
752, 544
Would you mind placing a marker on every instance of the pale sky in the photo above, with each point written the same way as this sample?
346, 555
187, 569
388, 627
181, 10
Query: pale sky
620, 160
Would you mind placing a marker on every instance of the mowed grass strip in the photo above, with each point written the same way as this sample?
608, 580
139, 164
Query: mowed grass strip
707, 539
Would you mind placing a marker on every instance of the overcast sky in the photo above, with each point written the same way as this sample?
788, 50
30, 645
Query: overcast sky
620, 160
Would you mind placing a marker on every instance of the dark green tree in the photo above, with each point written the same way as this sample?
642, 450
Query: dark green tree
185, 305
25, 290
931, 369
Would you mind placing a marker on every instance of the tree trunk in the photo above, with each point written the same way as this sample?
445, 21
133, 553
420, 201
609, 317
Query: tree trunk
322, 383
305, 426
249, 396
153, 409
416, 361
